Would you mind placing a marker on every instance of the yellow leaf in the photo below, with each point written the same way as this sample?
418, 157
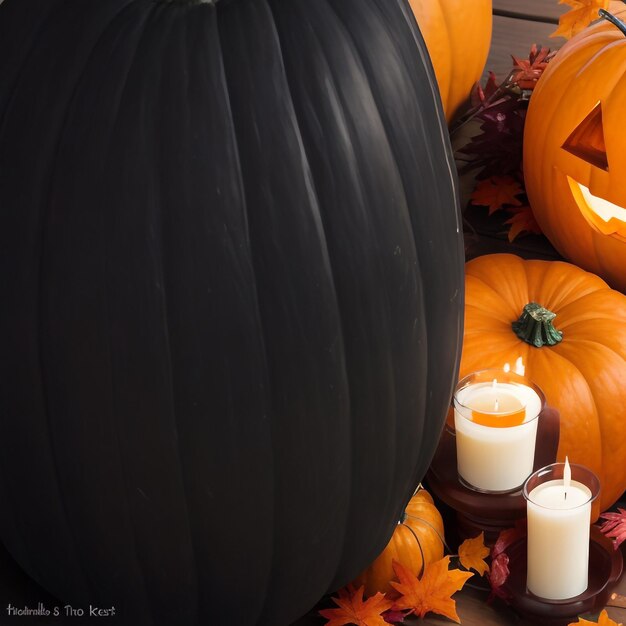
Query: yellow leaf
472, 553
433, 592
603, 620
582, 13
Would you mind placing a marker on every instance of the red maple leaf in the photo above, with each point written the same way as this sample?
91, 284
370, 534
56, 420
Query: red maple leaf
614, 526
497, 576
499, 571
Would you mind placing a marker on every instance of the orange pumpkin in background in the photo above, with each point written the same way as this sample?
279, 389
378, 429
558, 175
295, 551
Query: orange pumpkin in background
458, 37
416, 542
581, 372
575, 150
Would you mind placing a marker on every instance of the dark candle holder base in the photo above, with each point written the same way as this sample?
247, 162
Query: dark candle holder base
487, 512
605, 570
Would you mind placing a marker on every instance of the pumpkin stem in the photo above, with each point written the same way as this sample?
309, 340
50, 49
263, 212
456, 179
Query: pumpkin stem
535, 326
604, 14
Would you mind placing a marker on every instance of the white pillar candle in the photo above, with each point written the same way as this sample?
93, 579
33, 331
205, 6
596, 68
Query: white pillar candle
496, 430
559, 518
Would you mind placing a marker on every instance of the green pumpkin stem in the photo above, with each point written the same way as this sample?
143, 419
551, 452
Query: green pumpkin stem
609, 17
535, 326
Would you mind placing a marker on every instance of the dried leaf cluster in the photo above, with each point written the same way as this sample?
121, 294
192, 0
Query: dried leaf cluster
430, 593
433, 591
614, 526
497, 151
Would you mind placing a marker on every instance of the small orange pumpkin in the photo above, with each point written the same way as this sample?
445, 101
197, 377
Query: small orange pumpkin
582, 372
458, 35
575, 149
416, 542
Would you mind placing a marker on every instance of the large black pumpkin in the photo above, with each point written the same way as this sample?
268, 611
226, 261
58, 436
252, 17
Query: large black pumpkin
231, 285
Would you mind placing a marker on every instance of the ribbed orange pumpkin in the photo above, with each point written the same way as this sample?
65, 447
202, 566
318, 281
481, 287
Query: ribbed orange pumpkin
575, 150
416, 542
458, 36
583, 375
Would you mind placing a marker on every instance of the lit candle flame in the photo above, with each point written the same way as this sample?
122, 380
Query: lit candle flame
506, 368
567, 477
496, 404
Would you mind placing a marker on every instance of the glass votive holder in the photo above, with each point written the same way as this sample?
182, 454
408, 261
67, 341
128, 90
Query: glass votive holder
559, 498
495, 419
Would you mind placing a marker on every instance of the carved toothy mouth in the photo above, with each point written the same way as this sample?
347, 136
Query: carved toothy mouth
605, 216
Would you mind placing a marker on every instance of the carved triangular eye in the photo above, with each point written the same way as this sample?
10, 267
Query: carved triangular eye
587, 140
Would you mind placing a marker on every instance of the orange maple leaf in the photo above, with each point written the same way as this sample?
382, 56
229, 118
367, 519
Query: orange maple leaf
603, 620
522, 221
528, 71
496, 191
432, 592
582, 13
353, 610
472, 553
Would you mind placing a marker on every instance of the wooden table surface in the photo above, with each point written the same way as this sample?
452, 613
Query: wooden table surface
516, 26
473, 610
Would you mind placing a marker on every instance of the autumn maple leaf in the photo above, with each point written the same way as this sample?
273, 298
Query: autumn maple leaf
496, 191
582, 13
614, 526
354, 610
603, 620
433, 592
528, 71
472, 553
522, 221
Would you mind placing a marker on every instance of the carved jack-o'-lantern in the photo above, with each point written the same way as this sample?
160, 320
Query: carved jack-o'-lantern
575, 149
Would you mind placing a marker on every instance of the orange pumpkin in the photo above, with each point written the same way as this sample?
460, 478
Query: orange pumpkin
582, 372
458, 35
575, 150
416, 542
